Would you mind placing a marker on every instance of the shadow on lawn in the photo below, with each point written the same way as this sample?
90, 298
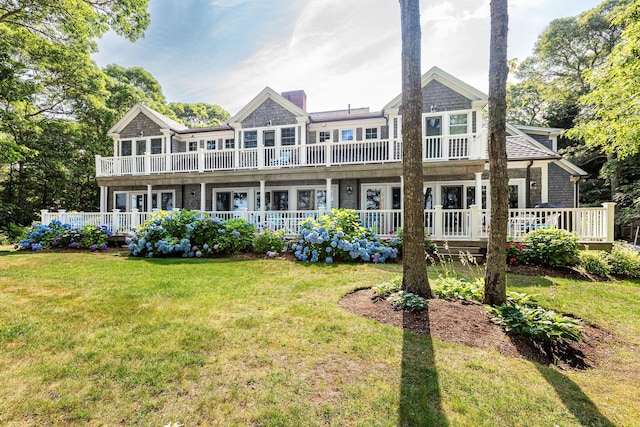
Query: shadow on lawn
574, 398
420, 397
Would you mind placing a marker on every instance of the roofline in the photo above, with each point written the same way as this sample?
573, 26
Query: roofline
541, 129
375, 115
264, 94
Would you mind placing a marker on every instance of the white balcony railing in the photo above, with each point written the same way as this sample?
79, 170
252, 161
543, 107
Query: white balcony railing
438, 148
474, 224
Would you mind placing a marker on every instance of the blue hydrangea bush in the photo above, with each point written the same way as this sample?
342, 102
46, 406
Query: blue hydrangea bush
57, 235
340, 236
183, 233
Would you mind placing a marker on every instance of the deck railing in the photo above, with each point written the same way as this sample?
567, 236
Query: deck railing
438, 148
474, 224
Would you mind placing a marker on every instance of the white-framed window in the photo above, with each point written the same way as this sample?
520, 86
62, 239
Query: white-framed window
371, 133
433, 126
211, 144
156, 146
324, 136
192, 146
125, 148
458, 124
275, 198
229, 144
160, 199
346, 135
288, 136
251, 139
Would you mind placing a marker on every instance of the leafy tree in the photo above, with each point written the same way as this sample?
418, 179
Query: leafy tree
414, 269
495, 281
52, 95
199, 114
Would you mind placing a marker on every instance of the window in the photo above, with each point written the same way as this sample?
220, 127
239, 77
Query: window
269, 138
223, 201
346, 135
211, 145
374, 199
324, 136
371, 133
306, 200
141, 147
267, 197
125, 148
193, 146
288, 136
229, 144
513, 196
281, 200
395, 127
121, 201
471, 196
156, 146
251, 139
240, 201
458, 124
451, 197
433, 126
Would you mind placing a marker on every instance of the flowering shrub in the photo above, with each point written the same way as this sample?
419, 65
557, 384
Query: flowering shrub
429, 247
269, 242
339, 236
59, 235
552, 247
516, 253
183, 233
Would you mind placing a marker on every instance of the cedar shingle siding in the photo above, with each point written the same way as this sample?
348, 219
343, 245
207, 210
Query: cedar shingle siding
446, 99
542, 139
560, 186
269, 110
140, 123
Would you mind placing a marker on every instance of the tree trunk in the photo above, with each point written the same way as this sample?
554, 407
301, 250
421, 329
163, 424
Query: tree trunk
496, 273
414, 268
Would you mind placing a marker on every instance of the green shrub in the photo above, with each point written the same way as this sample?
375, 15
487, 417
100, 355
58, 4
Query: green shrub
385, 289
339, 235
59, 235
429, 247
402, 300
522, 316
516, 253
456, 288
551, 247
624, 260
184, 233
269, 242
595, 262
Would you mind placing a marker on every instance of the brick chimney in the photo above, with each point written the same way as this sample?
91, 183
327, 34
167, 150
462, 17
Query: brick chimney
297, 97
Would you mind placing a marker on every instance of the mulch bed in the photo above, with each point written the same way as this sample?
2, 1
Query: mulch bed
470, 324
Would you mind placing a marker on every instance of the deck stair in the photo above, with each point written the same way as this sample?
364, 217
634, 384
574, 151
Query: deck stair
454, 249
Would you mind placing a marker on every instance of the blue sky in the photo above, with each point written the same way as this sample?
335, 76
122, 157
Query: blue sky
339, 51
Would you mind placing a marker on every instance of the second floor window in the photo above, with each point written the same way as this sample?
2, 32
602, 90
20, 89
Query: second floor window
458, 124
125, 148
371, 133
251, 139
193, 146
346, 135
156, 146
288, 136
229, 144
211, 145
324, 136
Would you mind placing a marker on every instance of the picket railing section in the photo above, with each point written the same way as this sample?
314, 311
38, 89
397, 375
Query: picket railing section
474, 224
436, 148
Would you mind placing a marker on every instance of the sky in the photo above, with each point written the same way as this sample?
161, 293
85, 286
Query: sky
340, 52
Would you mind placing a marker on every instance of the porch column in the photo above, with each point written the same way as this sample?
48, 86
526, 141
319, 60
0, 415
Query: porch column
610, 222
203, 196
263, 198
544, 183
478, 195
103, 199
328, 194
149, 204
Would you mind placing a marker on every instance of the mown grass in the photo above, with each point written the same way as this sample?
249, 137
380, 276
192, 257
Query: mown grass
93, 338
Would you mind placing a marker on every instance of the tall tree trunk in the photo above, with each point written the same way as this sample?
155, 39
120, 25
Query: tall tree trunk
414, 268
495, 280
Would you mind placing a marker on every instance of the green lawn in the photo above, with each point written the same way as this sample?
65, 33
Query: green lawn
101, 339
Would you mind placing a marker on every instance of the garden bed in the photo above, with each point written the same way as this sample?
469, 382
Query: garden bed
469, 323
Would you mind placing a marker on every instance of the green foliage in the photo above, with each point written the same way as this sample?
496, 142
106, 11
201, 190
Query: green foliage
59, 235
522, 316
457, 288
184, 233
385, 289
624, 260
402, 300
199, 114
551, 246
340, 236
269, 241
429, 247
595, 262
516, 253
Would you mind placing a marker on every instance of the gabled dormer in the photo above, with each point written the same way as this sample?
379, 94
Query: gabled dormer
272, 120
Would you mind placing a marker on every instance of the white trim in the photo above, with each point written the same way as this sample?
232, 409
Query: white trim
268, 93
130, 193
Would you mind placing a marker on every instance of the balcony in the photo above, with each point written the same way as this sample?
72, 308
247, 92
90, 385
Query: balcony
441, 148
